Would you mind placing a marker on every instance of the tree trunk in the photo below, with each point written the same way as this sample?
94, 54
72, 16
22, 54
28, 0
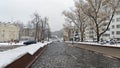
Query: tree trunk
82, 37
36, 32
98, 36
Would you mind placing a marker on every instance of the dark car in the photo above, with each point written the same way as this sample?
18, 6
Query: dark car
29, 42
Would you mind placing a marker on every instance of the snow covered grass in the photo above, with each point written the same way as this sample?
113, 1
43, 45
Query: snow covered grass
95, 43
10, 56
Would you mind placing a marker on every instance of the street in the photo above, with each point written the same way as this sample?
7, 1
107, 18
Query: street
59, 55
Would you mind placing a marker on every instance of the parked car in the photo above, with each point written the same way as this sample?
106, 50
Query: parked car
29, 42
102, 42
113, 41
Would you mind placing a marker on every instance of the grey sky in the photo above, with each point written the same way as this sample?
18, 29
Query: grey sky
13, 10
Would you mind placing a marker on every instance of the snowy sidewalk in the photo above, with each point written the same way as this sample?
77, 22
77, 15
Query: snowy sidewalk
108, 50
94, 43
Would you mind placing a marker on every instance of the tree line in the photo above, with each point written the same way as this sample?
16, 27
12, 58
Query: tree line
41, 26
92, 13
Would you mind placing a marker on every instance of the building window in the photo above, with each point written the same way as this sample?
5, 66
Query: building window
117, 32
106, 34
113, 20
112, 26
105, 24
118, 12
118, 20
112, 32
117, 26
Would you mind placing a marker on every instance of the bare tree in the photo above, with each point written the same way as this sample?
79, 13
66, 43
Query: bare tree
47, 32
36, 21
101, 12
78, 18
40, 25
44, 23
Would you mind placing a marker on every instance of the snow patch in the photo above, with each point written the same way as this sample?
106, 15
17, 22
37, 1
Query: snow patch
94, 43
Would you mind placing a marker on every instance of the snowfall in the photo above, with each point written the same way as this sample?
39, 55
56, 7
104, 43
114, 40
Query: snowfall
9, 56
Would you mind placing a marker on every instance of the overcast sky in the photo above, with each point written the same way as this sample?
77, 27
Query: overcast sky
22, 10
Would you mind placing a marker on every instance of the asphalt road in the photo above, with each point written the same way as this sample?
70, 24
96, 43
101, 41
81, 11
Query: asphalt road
59, 55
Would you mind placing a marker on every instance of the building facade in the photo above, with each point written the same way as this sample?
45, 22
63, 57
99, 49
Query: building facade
71, 33
28, 34
8, 32
115, 26
111, 33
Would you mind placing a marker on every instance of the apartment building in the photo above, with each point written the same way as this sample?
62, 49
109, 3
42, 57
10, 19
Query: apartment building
115, 26
28, 34
8, 32
70, 33
112, 32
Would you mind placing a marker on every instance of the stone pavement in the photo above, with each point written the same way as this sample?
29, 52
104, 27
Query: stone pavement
59, 55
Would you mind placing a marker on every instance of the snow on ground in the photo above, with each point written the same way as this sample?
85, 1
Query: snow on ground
95, 43
9, 44
9, 56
